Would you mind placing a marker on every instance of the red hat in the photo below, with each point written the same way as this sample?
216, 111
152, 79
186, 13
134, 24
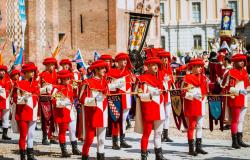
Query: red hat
196, 62
98, 64
153, 60
50, 60
3, 67
29, 67
181, 68
14, 72
155, 51
106, 57
238, 57
124, 56
65, 74
66, 61
164, 54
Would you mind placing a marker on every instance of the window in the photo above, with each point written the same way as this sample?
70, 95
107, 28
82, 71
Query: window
60, 36
163, 39
233, 5
162, 12
196, 12
197, 42
0, 17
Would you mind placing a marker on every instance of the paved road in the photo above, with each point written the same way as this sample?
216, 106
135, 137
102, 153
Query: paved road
218, 149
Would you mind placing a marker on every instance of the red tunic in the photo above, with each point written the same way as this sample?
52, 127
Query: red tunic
199, 82
62, 113
239, 80
27, 111
95, 116
166, 76
6, 86
154, 109
125, 77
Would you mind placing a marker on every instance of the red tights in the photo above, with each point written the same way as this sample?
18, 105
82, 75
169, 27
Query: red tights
89, 137
191, 127
235, 119
62, 132
147, 128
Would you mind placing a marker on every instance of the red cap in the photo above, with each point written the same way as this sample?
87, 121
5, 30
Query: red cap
238, 57
196, 62
65, 74
29, 67
164, 54
106, 57
124, 56
98, 64
3, 67
14, 72
50, 60
66, 61
153, 60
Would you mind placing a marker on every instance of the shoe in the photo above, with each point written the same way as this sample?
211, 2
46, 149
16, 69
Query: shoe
45, 139
144, 155
123, 143
235, 142
115, 145
240, 141
199, 148
159, 155
52, 141
84, 157
65, 153
191, 148
5, 136
100, 156
30, 154
22, 154
75, 149
165, 137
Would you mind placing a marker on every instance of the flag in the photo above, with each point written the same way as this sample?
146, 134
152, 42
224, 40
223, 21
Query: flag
22, 14
19, 59
58, 48
79, 60
1, 53
96, 56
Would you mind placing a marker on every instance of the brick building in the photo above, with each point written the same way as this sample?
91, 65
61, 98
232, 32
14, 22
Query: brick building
90, 25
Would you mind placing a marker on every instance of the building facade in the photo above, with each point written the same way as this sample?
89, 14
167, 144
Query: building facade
89, 25
187, 25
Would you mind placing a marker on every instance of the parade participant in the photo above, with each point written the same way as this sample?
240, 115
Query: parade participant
48, 78
67, 65
27, 108
236, 82
121, 82
151, 111
15, 76
168, 81
108, 59
215, 73
95, 112
194, 90
5, 89
64, 110
227, 115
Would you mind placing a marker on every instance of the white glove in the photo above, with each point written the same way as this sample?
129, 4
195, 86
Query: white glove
166, 78
189, 96
112, 87
144, 97
49, 88
120, 85
21, 100
155, 93
243, 91
197, 96
99, 97
233, 90
67, 102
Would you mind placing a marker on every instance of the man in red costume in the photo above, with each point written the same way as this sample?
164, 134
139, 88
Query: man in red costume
48, 78
166, 75
95, 111
27, 108
67, 65
151, 111
15, 76
195, 89
64, 110
5, 89
236, 82
121, 82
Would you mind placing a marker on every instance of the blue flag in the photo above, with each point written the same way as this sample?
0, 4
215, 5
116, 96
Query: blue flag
19, 59
96, 56
79, 60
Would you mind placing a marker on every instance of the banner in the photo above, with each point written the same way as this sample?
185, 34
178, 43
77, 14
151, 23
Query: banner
177, 107
115, 107
22, 14
215, 111
226, 22
138, 29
